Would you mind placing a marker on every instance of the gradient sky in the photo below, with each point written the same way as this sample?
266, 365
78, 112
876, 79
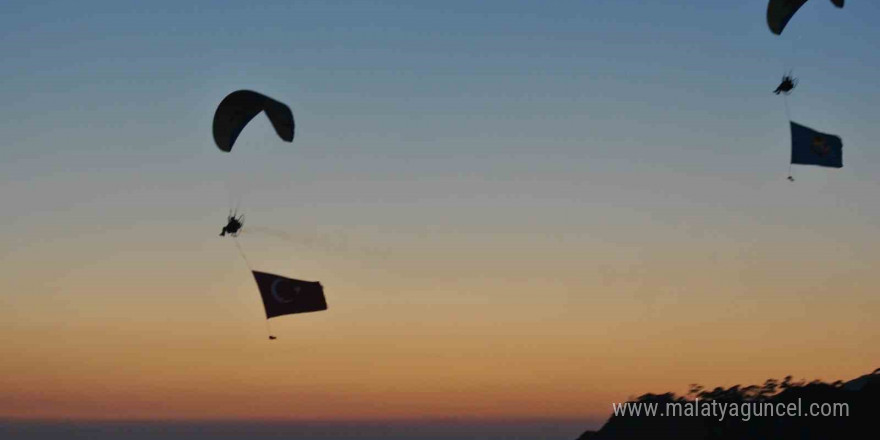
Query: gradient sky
518, 210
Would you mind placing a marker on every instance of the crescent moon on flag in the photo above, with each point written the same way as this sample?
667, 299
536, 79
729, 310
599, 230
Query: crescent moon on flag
283, 299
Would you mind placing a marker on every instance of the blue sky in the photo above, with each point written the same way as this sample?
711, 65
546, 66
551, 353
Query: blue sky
495, 89
610, 105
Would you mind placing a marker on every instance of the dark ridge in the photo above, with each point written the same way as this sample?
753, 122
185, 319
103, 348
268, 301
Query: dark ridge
860, 395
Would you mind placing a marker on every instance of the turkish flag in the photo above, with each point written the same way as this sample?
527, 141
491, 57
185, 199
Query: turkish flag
284, 296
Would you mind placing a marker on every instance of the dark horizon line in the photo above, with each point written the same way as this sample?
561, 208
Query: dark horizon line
315, 421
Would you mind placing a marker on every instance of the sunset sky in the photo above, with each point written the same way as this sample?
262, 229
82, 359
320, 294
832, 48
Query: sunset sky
518, 211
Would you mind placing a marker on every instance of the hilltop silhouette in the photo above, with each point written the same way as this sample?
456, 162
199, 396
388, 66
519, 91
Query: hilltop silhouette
861, 394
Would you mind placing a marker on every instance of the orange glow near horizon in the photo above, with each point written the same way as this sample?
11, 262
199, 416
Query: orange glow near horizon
511, 347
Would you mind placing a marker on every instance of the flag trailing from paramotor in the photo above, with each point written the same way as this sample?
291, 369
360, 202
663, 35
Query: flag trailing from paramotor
285, 296
811, 147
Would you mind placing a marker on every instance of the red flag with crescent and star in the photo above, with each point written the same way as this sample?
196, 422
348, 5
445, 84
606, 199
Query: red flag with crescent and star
285, 296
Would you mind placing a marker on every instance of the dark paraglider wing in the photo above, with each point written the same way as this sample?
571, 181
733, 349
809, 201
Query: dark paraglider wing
779, 12
233, 114
239, 107
281, 118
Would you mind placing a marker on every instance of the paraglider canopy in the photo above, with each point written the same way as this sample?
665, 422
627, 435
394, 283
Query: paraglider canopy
239, 107
779, 12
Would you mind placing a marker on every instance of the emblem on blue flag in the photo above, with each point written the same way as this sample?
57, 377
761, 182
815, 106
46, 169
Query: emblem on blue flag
811, 147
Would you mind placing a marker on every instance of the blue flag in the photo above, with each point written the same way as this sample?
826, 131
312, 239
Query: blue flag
810, 147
